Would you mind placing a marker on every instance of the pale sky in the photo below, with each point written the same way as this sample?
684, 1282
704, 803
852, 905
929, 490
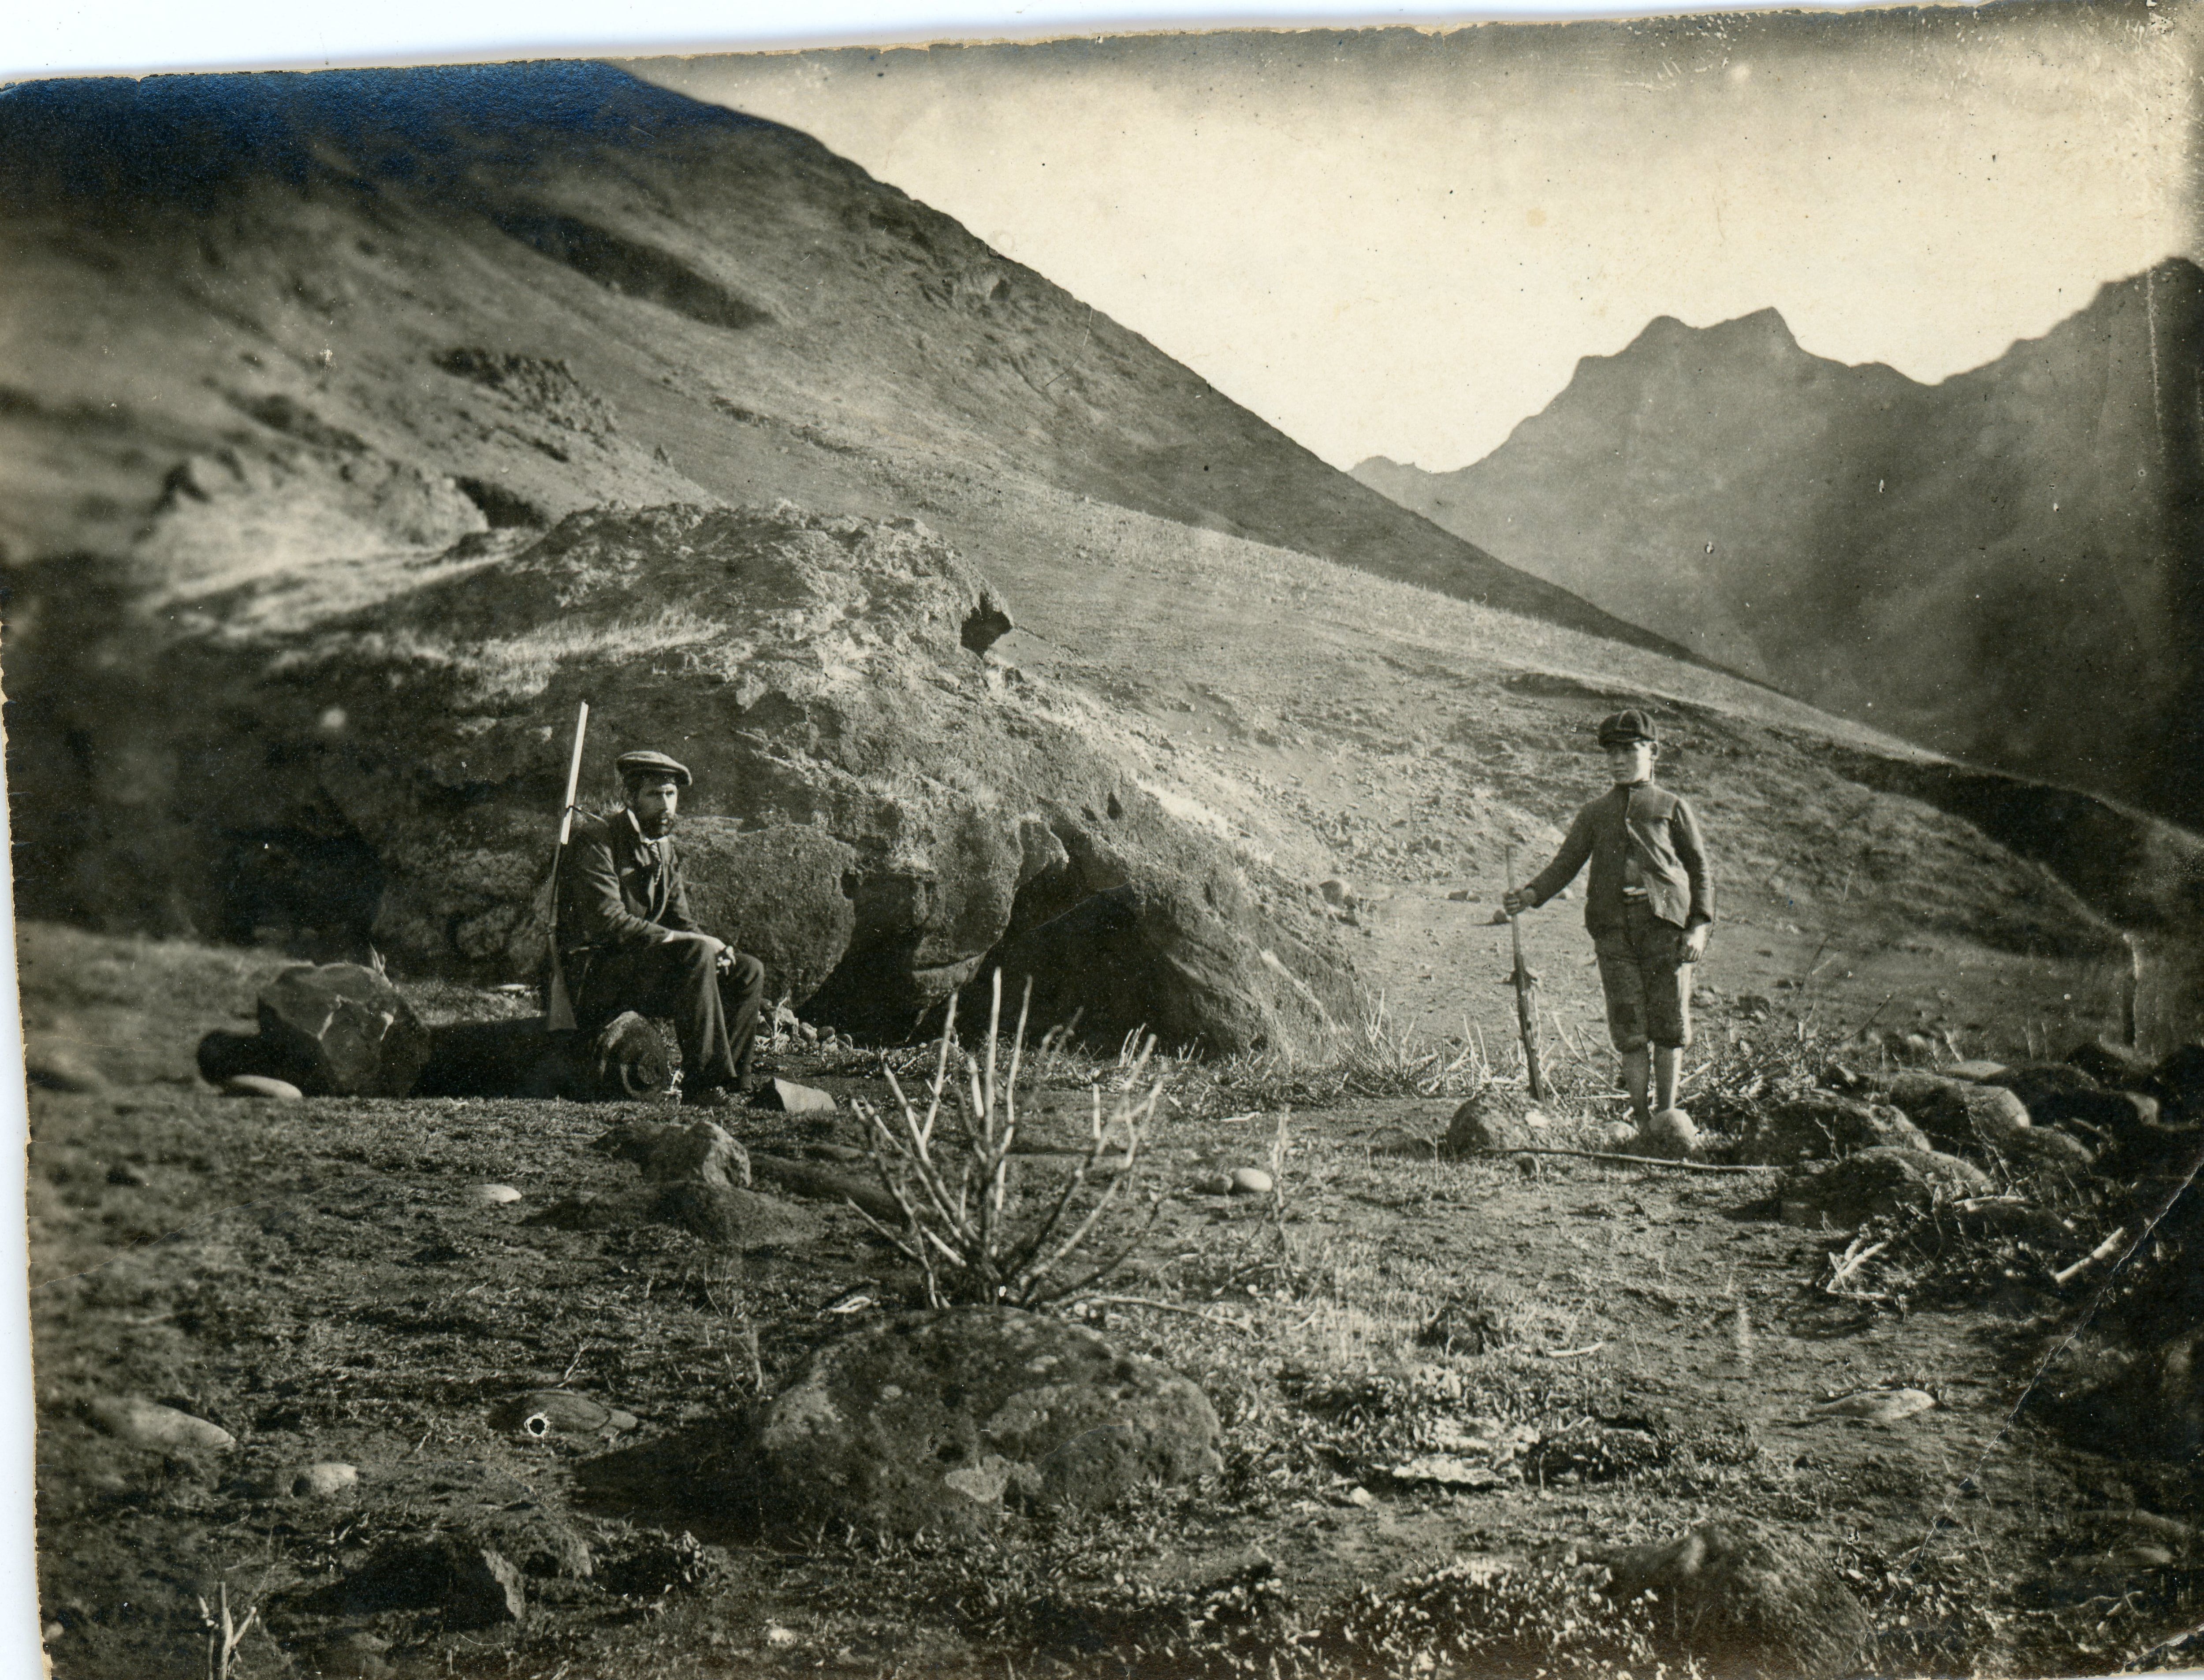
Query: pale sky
1400, 244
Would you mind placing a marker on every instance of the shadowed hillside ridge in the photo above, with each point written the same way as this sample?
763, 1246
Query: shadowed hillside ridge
327, 236
1922, 555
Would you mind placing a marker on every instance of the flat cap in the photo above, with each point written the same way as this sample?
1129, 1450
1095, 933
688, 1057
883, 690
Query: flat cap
1622, 728
634, 766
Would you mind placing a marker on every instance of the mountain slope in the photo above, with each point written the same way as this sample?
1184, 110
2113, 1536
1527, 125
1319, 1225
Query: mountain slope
399, 305
1999, 565
278, 367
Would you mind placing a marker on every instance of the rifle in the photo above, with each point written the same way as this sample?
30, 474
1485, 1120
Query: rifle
559, 1007
1527, 1003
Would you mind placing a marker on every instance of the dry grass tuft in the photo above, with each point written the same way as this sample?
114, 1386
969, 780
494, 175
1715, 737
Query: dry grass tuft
961, 1227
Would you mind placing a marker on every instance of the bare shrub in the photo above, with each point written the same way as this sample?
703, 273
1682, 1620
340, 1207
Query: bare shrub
975, 1240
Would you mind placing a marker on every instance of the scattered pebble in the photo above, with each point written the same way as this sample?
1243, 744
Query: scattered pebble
549, 1411
323, 1480
1248, 1181
791, 1098
495, 1196
148, 1424
776, 1634
57, 1070
1880, 1406
1362, 1498
260, 1086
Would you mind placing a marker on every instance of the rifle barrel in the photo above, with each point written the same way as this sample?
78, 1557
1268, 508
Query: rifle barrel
573, 776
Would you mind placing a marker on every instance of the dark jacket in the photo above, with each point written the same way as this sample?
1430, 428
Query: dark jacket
1659, 826
610, 894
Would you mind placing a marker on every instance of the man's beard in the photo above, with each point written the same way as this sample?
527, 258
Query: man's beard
658, 827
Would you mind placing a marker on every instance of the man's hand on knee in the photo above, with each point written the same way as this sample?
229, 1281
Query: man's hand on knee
715, 949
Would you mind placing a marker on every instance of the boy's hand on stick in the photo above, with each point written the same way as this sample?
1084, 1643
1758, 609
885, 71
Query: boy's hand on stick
1695, 941
1514, 901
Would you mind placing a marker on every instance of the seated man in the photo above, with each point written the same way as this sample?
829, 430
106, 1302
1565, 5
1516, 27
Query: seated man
627, 941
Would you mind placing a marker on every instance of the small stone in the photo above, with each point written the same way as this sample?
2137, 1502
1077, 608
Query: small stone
1498, 1117
1979, 1072
2111, 1064
791, 1098
484, 1590
1338, 894
1669, 1133
1880, 1406
1618, 1135
1362, 1498
554, 1411
149, 1424
54, 1069
1461, 895
259, 1086
1249, 1181
778, 1637
323, 1480
495, 1196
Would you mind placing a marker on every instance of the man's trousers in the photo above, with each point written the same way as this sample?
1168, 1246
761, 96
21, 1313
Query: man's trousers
714, 1016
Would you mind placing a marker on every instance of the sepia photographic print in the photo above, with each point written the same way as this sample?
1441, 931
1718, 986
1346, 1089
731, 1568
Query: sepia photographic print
1295, 854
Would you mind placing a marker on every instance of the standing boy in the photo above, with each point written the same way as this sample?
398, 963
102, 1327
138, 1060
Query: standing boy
1649, 908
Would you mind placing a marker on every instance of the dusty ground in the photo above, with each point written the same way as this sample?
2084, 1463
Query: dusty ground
318, 1279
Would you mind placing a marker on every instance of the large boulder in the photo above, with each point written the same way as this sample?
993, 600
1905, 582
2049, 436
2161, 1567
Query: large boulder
1958, 1114
939, 1420
879, 804
1745, 1598
1822, 1125
332, 1030
1198, 970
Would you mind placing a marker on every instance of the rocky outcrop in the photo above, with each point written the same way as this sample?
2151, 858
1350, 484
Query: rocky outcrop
1821, 1126
941, 1420
1958, 1114
878, 808
1883, 1181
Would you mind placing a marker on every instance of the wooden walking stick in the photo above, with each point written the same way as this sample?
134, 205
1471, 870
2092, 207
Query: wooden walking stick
559, 1007
1527, 1003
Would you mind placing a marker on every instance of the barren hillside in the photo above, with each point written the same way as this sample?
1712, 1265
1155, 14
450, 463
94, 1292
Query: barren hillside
366, 333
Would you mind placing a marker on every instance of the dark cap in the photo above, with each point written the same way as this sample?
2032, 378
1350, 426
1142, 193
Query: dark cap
651, 766
1625, 727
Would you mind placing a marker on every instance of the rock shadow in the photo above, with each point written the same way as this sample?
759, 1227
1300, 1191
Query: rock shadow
697, 1477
